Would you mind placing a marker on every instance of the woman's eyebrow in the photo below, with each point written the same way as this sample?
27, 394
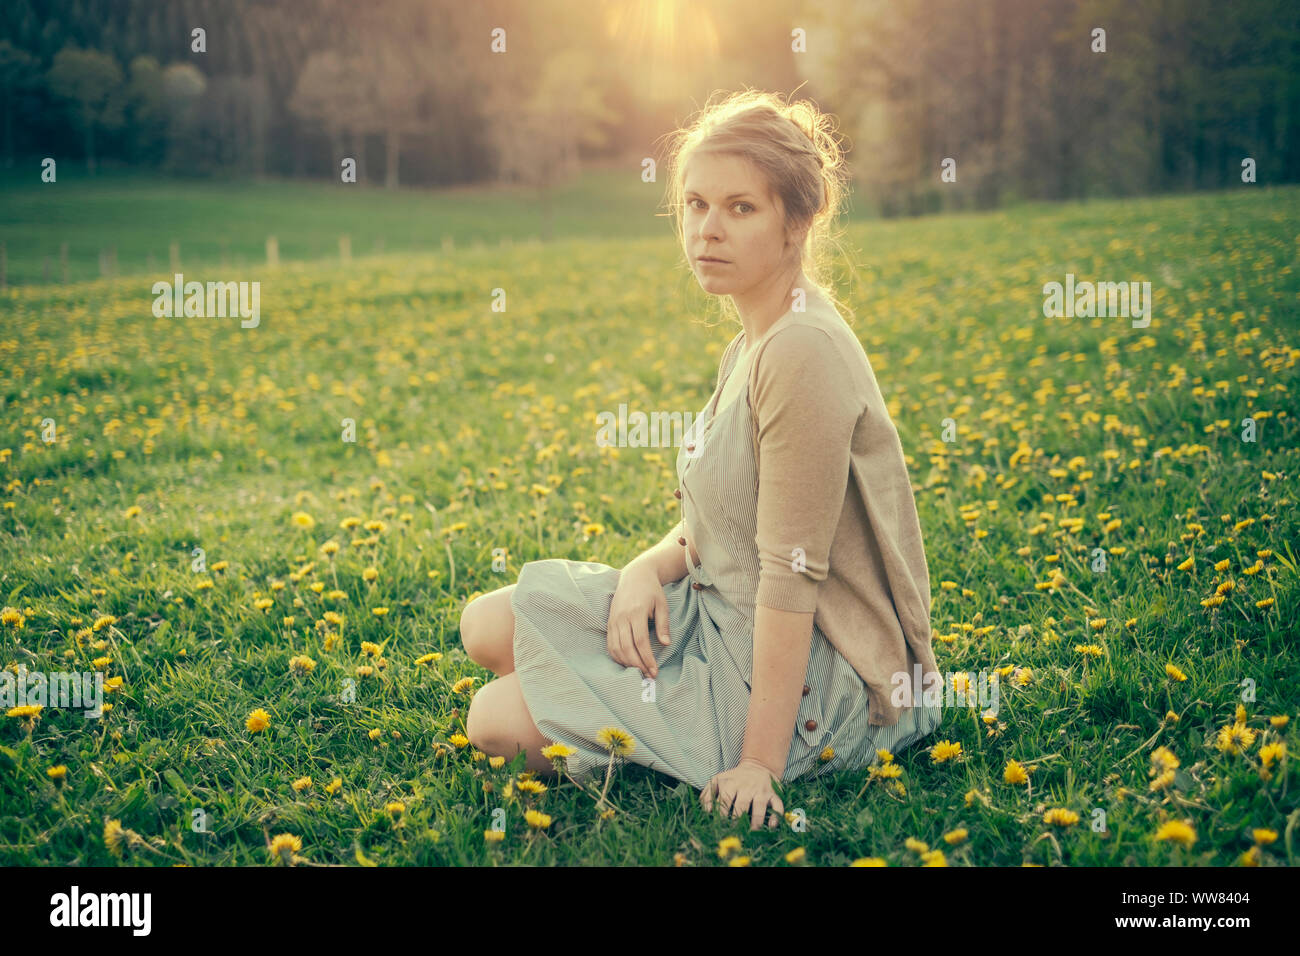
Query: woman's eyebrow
692, 192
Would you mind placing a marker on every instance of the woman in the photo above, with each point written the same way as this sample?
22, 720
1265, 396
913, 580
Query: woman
791, 603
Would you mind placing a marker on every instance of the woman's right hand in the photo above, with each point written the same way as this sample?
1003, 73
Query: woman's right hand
638, 597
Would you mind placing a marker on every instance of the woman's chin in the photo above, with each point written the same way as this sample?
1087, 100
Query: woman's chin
714, 285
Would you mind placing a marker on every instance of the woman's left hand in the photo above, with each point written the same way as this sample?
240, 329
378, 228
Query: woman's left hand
747, 787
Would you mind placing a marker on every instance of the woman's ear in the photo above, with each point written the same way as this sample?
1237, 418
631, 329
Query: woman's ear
795, 236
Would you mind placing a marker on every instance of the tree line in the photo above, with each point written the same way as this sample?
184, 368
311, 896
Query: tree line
1046, 99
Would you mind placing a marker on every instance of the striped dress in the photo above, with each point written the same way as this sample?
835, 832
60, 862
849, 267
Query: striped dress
689, 722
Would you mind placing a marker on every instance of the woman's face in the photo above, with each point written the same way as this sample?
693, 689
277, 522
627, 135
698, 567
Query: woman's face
729, 216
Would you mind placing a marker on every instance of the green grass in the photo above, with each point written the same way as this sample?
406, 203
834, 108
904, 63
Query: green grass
219, 225
220, 434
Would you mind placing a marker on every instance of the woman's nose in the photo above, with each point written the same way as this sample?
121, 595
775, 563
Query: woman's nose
711, 228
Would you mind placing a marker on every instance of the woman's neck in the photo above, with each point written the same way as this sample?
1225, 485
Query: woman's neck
760, 309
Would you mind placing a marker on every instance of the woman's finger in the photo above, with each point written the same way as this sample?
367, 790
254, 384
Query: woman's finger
706, 795
778, 811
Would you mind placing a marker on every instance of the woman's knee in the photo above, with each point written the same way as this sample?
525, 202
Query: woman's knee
487, 627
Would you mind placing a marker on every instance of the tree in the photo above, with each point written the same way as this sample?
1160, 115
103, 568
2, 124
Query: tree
183, 85
92, 80
329, 91
16, 67
536, 137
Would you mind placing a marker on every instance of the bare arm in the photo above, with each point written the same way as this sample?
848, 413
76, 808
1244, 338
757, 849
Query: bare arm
782, 641
667, 558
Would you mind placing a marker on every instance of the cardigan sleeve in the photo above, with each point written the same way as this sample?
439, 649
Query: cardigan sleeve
805, 410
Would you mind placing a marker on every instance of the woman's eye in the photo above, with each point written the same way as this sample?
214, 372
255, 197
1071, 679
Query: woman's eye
744, 204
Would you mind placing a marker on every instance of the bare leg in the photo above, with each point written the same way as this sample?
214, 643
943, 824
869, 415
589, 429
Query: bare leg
487, 631
499, 724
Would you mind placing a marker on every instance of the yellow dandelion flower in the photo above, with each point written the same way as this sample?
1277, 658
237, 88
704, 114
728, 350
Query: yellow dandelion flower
463, 685
284, 846
827, 754
459, 740
531, 786
728, 845
369, 648
303, 520
370, 574
496, 763
1061, 817
1164, 758
884, 756
1271, 752
1089, 650
59, 772
257, 721
944, 750
301, 664
557, 750
396, 808
915, 845
616, 740
379, 611
424, 659
494, 836
114, 836
334, 786
537, 820
302, 783
25, 711
1175, 673
1163, 780
375, 733
739, 861
934, 858
796, 855
1235, 738
1263, 836
956, 836
1178, 832
869, 861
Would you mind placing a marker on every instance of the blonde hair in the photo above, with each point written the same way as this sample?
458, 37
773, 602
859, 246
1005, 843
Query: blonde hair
794, 147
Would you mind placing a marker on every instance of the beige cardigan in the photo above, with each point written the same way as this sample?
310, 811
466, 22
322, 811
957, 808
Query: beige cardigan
832, 482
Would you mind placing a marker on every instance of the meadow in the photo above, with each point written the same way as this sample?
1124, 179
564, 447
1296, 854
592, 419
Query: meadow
1103, 530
